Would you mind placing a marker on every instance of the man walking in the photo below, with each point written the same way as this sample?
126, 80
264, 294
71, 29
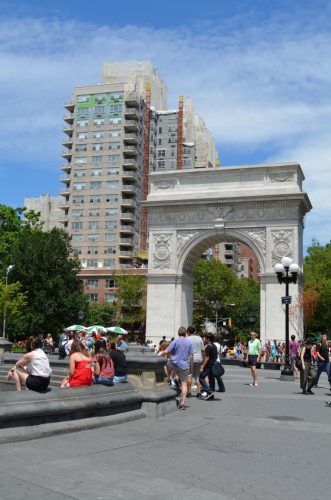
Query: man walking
198, 349
323, 363
206, 367
181, 350
254, 356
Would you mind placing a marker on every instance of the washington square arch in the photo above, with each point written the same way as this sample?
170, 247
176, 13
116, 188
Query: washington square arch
189, 211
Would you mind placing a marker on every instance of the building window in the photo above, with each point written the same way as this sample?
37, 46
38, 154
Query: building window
95, 185
161, 163
92, 297
82, 135
98, 121
81, 160
94, 212
77, 237
159, 142
110, 263
115, 133
112, 198
82, 123
96, 172
110, 250
83, 98
115, 121
161, 153
96, 159
92, 283
77, 212
109, 297
111, 211
92, 250
114, 158
93, 237
76, 225
79, 173
98, 135
76, 250
79, 185
110, 283
114, 145
113, 184
92, 263
160, 130
97, 146
78, 199
93, 225
110, 224
110, 237
113, 171
95, 199
99, 110
81, 147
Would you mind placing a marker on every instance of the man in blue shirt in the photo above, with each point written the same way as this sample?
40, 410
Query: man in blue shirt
181, 350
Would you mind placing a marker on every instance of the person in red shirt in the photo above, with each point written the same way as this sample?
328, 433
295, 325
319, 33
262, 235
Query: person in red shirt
80, 366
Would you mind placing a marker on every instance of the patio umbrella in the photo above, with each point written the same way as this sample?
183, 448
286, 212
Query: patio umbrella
117, 329
96, 328
75, 328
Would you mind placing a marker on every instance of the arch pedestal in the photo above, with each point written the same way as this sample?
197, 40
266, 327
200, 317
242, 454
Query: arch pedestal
189, 211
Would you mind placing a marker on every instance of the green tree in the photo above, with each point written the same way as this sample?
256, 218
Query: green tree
130, 293
12, 302
100, 314
47, 272
317, 273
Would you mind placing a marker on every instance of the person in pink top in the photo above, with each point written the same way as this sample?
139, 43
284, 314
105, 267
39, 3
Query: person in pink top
103, 366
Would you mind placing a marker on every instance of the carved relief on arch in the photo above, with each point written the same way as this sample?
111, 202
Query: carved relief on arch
183, 237
161, 251
283, 245
258, 236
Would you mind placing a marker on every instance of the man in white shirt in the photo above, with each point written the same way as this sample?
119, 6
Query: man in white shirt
194, 370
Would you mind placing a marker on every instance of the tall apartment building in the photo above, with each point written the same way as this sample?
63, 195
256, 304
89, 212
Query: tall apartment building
110, 127
49, 208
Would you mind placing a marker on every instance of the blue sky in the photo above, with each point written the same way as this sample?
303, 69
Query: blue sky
258, 71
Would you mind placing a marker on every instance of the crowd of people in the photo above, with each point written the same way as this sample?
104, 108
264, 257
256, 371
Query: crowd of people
92, 360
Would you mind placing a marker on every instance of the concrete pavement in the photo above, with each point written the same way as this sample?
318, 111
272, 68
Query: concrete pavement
261, 443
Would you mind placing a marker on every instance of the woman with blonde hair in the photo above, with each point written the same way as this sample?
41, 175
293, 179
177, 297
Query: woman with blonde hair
80, 366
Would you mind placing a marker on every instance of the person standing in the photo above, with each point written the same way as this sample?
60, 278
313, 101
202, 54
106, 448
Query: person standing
307, 373
181, 350
206, 368
198, 349
294, 351
323, 363
254, 356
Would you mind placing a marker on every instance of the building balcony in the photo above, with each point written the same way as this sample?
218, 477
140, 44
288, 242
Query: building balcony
127, 216
130, 164
126, 242
128, 203
131, 125
66, 168
128, 175
130, 138
70, 106
69, 119
128, 188
67, 143
65, 206
64, 192
131, 114
68, 130
132, 100
126, 228
65, 180
127, 254
67, 155
130, 150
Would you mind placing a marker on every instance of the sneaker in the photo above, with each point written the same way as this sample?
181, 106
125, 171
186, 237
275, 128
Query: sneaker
181, 407
209, 397
198, 395
204, 394
254, 385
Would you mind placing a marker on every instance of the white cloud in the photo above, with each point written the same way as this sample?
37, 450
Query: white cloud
260, 88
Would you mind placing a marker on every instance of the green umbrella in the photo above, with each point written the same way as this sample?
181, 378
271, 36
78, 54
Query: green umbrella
96, 328
117, 329
76, 328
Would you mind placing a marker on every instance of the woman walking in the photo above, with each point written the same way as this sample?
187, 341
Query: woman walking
308, 372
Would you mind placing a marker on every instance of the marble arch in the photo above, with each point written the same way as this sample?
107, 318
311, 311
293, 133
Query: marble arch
191, 210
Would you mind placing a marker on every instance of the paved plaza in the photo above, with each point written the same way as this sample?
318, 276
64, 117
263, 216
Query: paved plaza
269, 442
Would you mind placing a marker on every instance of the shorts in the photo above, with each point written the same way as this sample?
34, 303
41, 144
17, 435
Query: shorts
37, 384
103, 381
182, 373
252, 360
194, 370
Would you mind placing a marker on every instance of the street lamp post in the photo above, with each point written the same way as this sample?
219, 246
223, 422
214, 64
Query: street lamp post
287, 272
216, 304
9, 268
252, 318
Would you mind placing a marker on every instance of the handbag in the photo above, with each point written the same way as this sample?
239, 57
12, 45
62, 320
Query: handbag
217, 370
298, 362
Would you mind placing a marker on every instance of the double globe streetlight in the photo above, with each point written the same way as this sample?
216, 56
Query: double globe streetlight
287, 272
